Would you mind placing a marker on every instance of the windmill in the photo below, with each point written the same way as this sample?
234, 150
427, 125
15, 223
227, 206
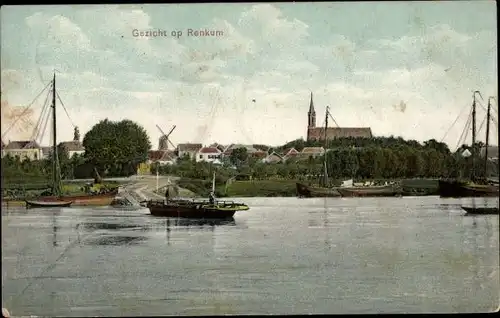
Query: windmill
164, 140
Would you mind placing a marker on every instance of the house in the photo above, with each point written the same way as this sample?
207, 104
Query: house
290, 153
25, 149
162, 157
259, 154
250, 149
46, 152
74, 147
312, 151
188, 149
218, 146
318, 133
273, 158
209, 154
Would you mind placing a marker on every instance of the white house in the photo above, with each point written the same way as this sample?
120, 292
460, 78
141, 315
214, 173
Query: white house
209, 154
188, 149
25, 149
74, 147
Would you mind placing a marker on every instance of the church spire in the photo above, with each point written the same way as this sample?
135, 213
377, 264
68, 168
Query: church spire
311, 106
311, 114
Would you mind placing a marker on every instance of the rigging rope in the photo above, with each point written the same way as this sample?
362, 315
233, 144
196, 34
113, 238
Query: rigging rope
25, 111
65, 110
456, 119
329, 114
481, 125
36, 130
465, 132
45, 123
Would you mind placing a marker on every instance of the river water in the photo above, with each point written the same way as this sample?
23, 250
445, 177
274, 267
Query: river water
283, 256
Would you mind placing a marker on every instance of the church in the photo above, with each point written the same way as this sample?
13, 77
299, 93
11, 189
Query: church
318, 133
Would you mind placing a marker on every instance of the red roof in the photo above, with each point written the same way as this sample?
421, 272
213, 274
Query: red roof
259, 154
290, 152
209, 150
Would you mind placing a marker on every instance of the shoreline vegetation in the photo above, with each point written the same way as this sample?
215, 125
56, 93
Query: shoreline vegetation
285, 188
416, 165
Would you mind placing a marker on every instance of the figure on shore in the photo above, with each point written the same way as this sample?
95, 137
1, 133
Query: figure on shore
167, 193
211, 197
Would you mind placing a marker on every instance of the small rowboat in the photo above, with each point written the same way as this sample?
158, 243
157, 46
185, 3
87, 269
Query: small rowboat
48, 204
481, 210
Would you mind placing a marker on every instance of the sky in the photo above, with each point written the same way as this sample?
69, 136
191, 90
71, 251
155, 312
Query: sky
403, 68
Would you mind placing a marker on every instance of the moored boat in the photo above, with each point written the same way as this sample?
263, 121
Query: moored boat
52, 204
103, 198
485, 187
370, 191
195, 209
305, 191
55, 196
481, 210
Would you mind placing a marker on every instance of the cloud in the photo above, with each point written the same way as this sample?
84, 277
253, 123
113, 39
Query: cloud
274, 29
58, 32
397, 82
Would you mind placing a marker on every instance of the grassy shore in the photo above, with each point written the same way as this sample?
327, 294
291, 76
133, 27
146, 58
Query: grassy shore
73, 188
256, 188
279, 188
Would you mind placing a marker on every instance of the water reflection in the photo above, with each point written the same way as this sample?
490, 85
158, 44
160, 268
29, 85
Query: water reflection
91, 226
115, 240
201, 222
54, 229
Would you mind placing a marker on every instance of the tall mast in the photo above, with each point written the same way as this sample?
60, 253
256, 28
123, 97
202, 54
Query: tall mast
473, 152
325, 179
55, 185
487, 138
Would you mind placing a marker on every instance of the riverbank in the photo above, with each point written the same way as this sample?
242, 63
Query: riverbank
286, 188
17, 197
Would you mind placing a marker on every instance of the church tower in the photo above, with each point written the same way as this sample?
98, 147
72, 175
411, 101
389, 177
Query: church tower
311, 118
311, 114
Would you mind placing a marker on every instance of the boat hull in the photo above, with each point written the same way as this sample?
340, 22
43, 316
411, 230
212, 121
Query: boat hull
54, 204
195, 210
481, 211
458, 189
385, 191
305, 191
100, 199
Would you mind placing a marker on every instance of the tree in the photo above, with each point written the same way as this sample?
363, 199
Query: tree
238, 156
117, 147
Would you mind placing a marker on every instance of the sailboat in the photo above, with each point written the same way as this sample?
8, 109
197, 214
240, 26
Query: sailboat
323, 190
56, 177
196, 209
476, 187
56, 199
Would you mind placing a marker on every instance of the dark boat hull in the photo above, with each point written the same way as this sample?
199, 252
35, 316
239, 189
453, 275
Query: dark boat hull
40, 204
194, 210
481, 211
305, 191
386, 191
458, 189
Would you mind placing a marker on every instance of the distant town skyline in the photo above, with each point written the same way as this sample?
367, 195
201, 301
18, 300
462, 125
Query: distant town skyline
405, 69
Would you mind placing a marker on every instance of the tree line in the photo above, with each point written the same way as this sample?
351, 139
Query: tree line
115, 149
